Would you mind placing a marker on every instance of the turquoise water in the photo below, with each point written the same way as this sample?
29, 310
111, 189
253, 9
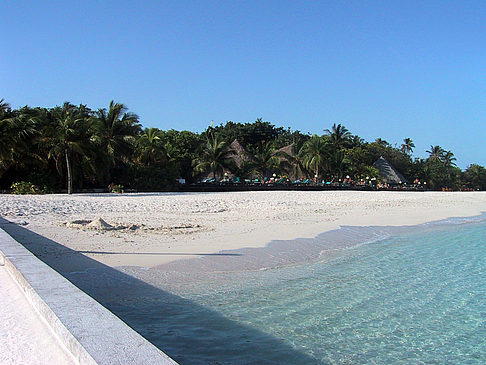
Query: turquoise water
413, 297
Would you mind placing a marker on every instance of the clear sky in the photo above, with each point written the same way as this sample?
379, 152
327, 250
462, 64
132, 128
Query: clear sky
389, 69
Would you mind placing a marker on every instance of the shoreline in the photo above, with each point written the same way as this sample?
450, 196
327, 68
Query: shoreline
280, 254
150, 284
161, 228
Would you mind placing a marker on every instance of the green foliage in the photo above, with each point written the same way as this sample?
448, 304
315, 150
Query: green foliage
150, 149
214, 157
79, 148
152, 179
475, 177
181, 148
265, 162
24, 187
252, 134
116, 188
438, 175
381, 148
315, 154
338, 136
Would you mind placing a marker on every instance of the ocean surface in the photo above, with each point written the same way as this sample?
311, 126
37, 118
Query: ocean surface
413, 295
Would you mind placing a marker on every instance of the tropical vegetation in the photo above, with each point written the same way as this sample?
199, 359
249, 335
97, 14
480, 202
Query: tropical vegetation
73, 148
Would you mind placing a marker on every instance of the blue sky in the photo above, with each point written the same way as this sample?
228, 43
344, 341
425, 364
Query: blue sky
389, 69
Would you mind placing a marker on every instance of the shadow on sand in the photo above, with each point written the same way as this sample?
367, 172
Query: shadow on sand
186, 331
160, 253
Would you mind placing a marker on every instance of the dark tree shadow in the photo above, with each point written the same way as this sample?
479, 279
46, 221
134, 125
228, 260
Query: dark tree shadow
185, 330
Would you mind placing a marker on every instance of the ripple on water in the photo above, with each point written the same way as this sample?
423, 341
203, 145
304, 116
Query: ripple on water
415, 296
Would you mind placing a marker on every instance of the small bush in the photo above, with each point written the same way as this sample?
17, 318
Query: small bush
113, 188
25, 187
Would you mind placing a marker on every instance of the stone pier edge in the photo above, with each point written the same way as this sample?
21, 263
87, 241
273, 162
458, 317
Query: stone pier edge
89, 331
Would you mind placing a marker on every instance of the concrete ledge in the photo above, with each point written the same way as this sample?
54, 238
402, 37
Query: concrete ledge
89, 331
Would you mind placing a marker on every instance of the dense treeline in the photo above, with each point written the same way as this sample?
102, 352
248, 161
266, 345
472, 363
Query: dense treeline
74, 148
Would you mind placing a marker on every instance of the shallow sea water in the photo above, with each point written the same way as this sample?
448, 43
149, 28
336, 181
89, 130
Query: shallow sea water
412, 297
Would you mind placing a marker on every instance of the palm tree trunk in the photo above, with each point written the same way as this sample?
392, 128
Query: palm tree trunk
69, 175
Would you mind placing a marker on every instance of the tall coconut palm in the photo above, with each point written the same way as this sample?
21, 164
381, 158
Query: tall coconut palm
116, 130
407, 146
448, 158
215, 156
264, 158
435, 153
315, 153
150, 148
66, 137
338, 135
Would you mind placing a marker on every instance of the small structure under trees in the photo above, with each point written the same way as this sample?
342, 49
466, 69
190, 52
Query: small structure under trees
239, 154
389, 174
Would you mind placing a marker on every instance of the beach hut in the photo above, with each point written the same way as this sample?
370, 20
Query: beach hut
286, 150
239, 155
389, 174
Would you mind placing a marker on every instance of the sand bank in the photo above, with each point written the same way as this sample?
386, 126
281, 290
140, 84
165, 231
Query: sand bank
153, 229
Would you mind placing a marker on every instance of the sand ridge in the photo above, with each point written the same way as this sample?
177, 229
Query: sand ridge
155, 228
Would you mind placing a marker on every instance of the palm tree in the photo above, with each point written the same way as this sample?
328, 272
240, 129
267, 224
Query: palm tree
150, 148
448, 158
7, 134
66, 137
26, 130
264, 158
116, 131
5, 109
407, 146
435, 152
214, 157
338, 135
15, 127
382, 143
292, 161
338, 162
315, 154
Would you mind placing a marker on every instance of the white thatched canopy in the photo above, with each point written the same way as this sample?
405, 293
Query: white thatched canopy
389, 174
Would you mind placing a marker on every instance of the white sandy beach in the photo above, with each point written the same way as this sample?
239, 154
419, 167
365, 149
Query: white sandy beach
152, 229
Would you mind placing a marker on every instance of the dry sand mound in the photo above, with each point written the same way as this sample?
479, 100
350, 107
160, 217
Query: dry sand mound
96, 224
100, 224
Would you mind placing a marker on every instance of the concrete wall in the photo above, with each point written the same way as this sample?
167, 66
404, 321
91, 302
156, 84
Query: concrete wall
89, 331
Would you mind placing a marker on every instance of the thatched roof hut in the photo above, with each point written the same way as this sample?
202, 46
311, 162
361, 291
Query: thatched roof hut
285, 150
389, 174
240, 155
281, 153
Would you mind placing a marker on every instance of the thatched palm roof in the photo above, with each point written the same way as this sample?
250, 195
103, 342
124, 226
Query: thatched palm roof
389, 174
286, 149
240, 155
